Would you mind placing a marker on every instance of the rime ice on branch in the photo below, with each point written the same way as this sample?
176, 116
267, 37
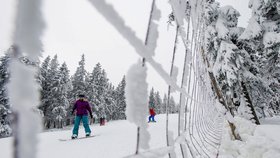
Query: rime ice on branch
23, 88
137, 101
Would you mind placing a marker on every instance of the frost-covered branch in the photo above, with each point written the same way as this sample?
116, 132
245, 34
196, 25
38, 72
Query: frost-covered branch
23, 88
137, 101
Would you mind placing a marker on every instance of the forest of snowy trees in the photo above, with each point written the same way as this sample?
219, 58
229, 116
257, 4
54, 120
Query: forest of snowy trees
245, 61
59, 91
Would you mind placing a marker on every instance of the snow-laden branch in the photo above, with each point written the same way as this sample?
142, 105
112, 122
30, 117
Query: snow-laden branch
116, 20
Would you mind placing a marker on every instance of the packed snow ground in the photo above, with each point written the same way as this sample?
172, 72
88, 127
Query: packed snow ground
118, 139
114, 140
261, 141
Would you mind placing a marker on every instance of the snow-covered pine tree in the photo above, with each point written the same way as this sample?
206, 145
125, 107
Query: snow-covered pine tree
92, 92
233, 63
223, 53
110, 102
261, 40
250, 41
271, 43
5, 111
152, 100
120, 99
103, 85
158, 103
63, 103
230, 63
211, 38
78, 81
44, 81
164, 103
53, 94
173, 108
88, 85
98, 83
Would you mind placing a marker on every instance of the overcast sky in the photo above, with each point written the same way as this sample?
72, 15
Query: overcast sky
74, 27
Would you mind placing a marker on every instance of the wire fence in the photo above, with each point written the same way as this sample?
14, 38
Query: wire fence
200, 122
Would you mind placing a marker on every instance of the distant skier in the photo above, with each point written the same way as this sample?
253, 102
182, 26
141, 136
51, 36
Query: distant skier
102, 118
82, 108
152, 115
94, 118
102, 121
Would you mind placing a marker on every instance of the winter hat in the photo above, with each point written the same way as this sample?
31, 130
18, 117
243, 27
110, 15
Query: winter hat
81, 96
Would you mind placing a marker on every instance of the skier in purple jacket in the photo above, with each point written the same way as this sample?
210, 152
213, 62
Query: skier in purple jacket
82, 109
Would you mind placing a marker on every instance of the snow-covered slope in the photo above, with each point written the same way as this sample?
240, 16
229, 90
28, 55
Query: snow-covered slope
114, 140
261, 141
118, 139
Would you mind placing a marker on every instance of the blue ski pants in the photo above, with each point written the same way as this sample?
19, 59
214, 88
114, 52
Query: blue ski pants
152, 118
78, 119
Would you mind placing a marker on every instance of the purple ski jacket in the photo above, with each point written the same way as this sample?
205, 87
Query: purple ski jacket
82, 107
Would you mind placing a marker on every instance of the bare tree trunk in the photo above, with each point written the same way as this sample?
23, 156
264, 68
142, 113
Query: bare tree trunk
247, 96
61, 124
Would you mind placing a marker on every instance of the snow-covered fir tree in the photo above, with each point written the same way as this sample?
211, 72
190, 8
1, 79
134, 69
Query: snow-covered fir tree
63, 103
261, 40
227, 63
120, 100
173, 108
5, 111
164, 103
54, 93
98, 83
230, 62
103, 86
111, 108
211, 35
158, 103
45, 82
152, 100
78, 81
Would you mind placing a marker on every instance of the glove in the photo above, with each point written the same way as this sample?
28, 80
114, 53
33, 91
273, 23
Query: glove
91, 116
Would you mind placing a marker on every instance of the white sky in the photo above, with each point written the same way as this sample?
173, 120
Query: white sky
75, 27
